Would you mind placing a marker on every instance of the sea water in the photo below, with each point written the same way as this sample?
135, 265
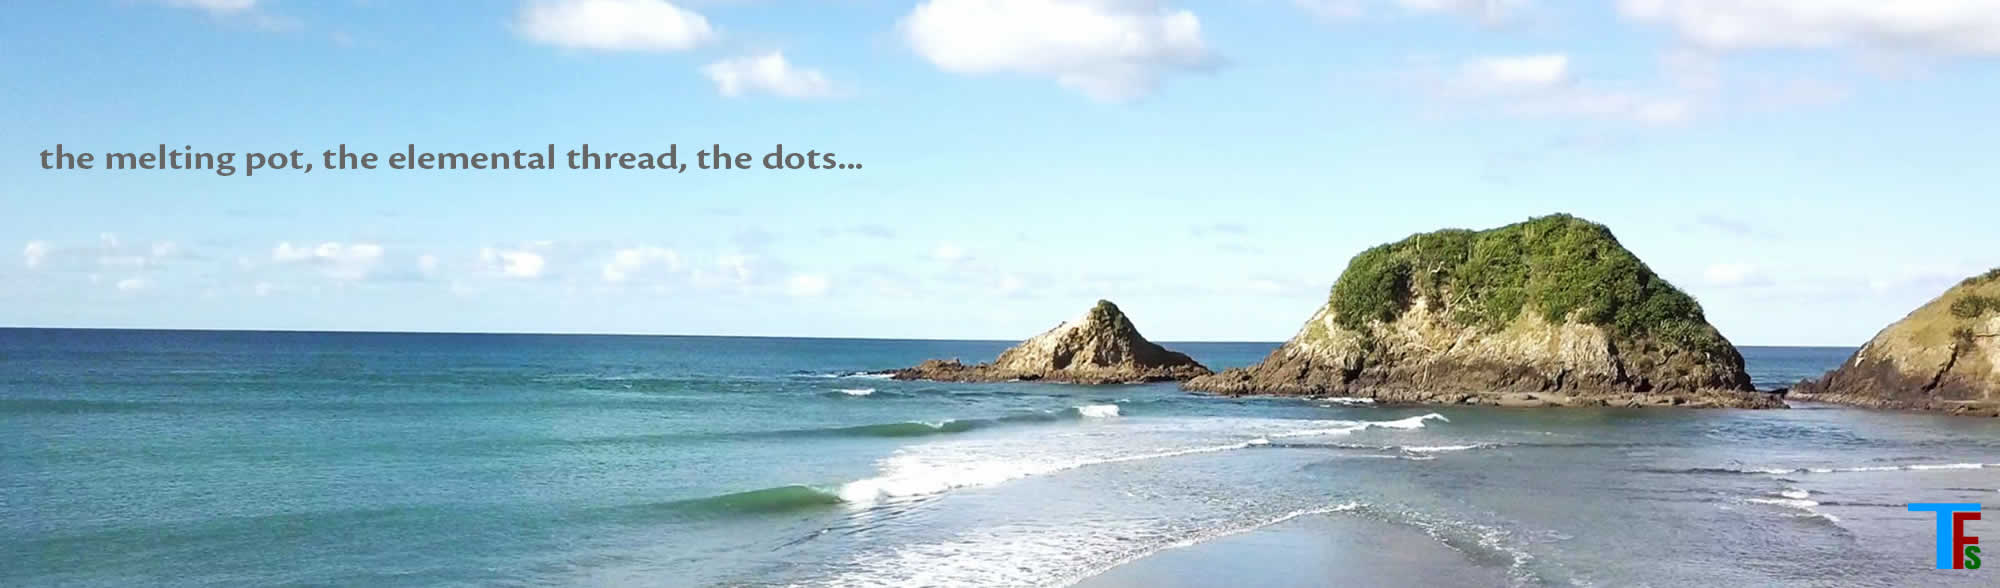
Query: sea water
234, 458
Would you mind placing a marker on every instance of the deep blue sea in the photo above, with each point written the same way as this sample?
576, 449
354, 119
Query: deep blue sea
238, 458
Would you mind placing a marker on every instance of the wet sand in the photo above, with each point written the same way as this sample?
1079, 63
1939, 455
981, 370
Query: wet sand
1338, 549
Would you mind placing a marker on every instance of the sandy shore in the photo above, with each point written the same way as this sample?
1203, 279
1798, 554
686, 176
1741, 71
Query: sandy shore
1339, 549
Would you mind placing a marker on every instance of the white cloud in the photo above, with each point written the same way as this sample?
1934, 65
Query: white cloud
1110, 50
340, 261
133, 284
1734, 274
264, 289
627, 264
109, 251
613, 25
1486, 11
769, 73
1544, 86
947, 252
1932, 26
1506, 73
514, 263
35, 253
806, 285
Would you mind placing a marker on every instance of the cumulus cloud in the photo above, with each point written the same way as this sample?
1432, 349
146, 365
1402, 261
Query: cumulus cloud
628, 264
1110, 50
770, 73
806, 285
514, 263
133, 284
613, 25
1544, 86
340, 261
1962, 27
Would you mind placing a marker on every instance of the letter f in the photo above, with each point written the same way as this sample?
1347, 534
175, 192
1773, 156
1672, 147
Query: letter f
1947, 558
1959, 539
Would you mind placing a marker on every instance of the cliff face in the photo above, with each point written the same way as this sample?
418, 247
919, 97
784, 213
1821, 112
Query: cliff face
1552, 311
1100, 347
1944, 356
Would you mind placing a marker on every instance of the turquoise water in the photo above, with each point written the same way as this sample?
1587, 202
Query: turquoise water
189, 458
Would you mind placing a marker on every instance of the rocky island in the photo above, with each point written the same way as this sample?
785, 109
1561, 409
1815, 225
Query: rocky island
1945, 356
1100, 347
1548, 312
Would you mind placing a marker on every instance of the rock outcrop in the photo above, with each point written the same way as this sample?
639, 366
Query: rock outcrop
1548, 312
1944, 356
1100, 347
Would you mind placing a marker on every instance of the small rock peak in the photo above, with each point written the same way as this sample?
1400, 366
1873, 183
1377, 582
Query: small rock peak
1105, 313
1102, 346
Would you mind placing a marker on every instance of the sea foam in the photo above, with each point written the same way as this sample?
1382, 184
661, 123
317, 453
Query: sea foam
1097, 411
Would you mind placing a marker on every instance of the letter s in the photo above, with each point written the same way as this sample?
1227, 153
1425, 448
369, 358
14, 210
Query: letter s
1972, 557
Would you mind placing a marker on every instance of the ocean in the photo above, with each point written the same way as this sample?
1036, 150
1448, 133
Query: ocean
247, 458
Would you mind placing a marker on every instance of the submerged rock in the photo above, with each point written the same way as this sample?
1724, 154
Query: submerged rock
1945, 356
1100, 347
1548, 312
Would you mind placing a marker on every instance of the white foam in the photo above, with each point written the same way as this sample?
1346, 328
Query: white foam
1415, 422
1797, 503
1441, 448
1949, 466
857, 391
1346, 401
1097, 411
869, 376
908, 476
1805, 507
1795, 494
1346, 427
1340, 430
1906, 468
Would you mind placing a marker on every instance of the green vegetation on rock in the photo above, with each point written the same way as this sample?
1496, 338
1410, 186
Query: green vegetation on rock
1973, 305
1560, 266
1990, 275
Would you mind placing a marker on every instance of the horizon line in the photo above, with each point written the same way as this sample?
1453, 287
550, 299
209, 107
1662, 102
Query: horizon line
629, 334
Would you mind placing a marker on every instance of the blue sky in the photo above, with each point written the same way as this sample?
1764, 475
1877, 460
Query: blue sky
1809, 169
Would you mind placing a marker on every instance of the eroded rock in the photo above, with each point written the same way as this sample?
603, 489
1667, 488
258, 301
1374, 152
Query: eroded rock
1944, 356
1548, 312
1100, 347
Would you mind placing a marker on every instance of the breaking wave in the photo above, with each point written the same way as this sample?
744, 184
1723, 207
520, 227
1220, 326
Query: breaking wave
1347, 427
1822, 470
921, 428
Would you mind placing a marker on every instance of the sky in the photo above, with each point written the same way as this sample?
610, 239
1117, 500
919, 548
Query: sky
1810, 170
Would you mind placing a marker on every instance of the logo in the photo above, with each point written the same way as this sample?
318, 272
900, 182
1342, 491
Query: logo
1955, 549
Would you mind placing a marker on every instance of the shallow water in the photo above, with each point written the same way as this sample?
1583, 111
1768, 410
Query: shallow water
259, 458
